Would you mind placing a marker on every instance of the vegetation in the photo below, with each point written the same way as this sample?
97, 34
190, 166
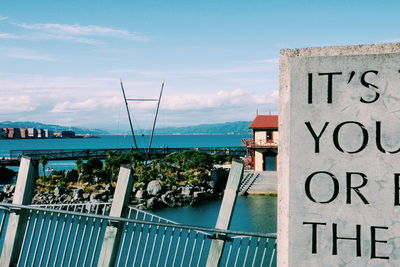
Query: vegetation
189, 167
43, 161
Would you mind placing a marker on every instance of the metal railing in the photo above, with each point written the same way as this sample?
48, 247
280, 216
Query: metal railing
70, 154
260, 143
71, 235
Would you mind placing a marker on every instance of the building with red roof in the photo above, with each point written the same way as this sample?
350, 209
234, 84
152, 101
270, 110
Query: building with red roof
262, 149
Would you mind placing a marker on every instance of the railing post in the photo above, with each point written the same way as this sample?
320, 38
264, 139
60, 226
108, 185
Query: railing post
23, 193
118, 209
225, 212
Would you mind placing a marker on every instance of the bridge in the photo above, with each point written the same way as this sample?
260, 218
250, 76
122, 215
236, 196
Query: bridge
73, 154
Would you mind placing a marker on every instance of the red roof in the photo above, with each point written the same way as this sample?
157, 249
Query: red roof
265, 122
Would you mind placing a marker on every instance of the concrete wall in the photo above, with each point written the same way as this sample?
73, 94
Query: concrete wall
259, 160
338, 196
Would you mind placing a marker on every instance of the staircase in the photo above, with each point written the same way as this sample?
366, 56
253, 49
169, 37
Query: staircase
258, 183
247, 182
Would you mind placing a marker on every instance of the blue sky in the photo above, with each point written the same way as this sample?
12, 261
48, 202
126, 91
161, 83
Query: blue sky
62, 60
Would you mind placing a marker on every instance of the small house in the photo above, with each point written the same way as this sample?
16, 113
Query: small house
262, 148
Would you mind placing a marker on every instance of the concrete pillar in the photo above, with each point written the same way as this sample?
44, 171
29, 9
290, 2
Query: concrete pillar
113, 233
225, 212
16, 227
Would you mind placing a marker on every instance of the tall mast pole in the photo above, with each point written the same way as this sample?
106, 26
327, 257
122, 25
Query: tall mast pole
155, 118
129, 115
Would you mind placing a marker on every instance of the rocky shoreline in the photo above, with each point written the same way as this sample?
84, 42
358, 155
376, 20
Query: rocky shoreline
155, 196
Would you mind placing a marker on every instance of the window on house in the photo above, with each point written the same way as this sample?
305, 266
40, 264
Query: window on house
269, 135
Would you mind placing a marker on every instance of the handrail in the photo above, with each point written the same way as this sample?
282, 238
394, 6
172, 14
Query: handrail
16, 207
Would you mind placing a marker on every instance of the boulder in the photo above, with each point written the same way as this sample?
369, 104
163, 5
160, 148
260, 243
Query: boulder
109, 188
154, 188
187, 190
141, 194
78, 193
151, 203
95, 196
9, 188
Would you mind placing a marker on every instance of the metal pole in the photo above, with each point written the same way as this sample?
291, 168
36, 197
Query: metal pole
155, 118
129, 115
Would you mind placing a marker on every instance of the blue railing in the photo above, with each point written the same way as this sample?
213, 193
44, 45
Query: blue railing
71, 235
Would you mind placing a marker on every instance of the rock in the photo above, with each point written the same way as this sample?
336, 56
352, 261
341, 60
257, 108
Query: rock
151, 203
109, 188
58, 191
211, 184
95, 196
104, 198
187, 190
198, 194
141, 194
9, 188
154, 188
141, 206
78, 193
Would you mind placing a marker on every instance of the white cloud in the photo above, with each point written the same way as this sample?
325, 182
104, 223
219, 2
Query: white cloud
17, 103
8, 36
66, 31
220, 99
3, 18
91, 104
24, 53
194, 73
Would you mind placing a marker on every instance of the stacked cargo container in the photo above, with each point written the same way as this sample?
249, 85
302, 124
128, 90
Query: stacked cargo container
24, 133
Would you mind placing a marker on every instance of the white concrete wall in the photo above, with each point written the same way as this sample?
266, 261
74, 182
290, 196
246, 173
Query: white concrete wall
275, 136
299, 216
259, 160
260, 135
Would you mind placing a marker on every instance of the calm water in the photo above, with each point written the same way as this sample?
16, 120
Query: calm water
252, 213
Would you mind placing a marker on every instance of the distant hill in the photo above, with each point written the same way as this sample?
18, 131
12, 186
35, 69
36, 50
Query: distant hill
237, 127
51, 127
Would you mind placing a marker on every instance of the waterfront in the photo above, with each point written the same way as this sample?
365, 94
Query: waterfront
117, 141
253, 213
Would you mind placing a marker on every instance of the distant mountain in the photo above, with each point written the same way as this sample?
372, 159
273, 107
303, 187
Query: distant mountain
51, 127
237, 127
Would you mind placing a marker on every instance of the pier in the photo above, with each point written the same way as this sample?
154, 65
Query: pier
74, 154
